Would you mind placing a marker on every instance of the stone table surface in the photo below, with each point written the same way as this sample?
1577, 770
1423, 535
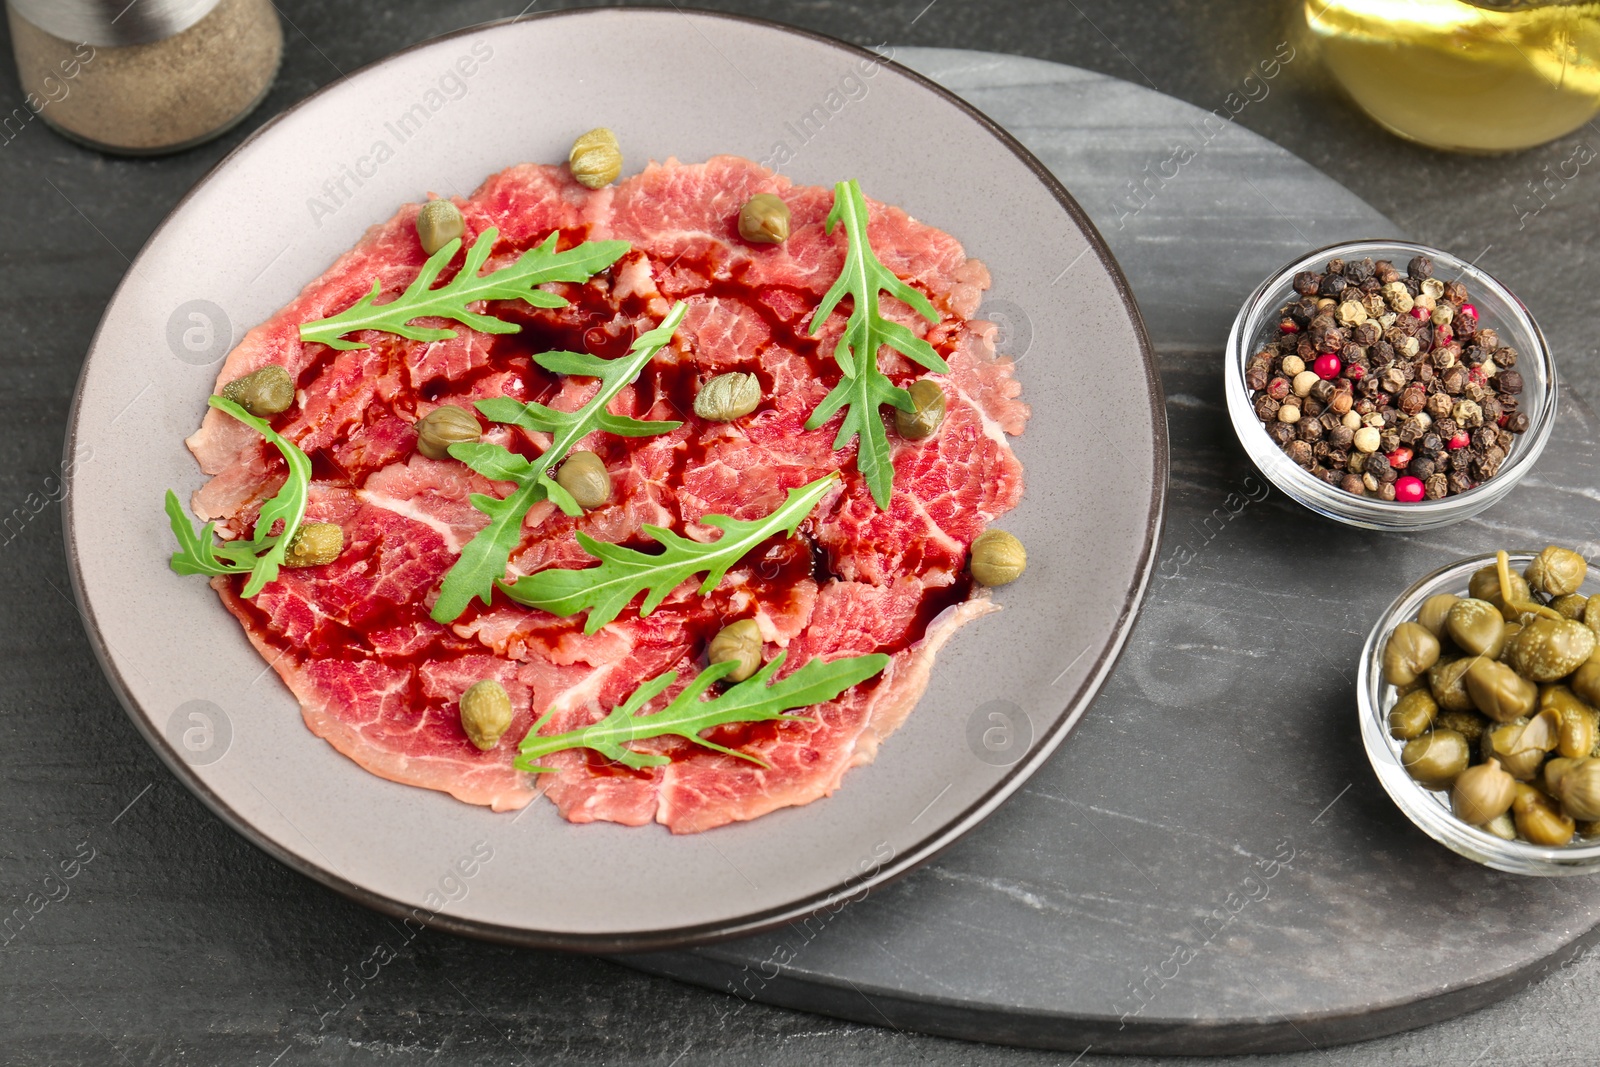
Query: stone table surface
180, 943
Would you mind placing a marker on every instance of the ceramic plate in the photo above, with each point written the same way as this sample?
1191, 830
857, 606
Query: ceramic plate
440, 117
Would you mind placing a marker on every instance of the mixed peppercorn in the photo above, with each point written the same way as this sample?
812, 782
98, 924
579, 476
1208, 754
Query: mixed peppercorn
1384, 383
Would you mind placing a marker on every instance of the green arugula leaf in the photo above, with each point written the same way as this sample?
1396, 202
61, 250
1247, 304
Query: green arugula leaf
483, 560
516, 281
864, 387
752, 700
262, 555
625, 572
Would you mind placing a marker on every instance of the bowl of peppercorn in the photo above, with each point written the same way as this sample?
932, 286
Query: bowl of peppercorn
1389, 385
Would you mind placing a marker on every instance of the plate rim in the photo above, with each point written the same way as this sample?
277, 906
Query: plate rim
952, 829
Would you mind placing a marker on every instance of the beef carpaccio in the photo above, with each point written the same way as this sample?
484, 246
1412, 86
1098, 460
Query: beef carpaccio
380, 680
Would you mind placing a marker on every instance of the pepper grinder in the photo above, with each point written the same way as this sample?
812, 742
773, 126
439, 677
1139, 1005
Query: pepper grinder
141, 78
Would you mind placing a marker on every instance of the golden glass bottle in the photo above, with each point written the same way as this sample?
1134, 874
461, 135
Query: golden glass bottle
1479, 76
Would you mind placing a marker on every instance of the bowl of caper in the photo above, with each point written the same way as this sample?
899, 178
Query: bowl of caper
1389, 385
1479, 691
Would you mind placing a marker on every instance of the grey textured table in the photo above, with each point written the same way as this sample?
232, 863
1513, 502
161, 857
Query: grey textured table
179, 943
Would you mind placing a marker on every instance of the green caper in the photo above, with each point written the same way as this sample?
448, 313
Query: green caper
1512, 630
1578, 789
1591, 613
263, 392
1538, 820
1447, 680
738, 641
1482, 793
1485, 585
1554, 769
1412, 714
1469, 724
1498, 691
1476, 626
444, 426
1556, 571
1435, 758
1410, 651
1435, 610
438, 223
928, 411
586, 478
997, 558
728, 396
1521, 745
1578, 728
764, 220
1571, 606
314, 544
1546, 650
1502, 826
485, 713
596, 158
1585, 682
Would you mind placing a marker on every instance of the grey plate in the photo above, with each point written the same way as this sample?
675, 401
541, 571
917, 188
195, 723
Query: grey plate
1005, 692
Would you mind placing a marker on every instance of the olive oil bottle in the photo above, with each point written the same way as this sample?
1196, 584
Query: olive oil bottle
1481, 76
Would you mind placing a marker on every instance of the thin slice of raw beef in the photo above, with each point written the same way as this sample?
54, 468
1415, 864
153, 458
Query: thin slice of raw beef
380, 680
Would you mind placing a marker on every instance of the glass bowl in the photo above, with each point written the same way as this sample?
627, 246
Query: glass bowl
1497, 307
1428, 808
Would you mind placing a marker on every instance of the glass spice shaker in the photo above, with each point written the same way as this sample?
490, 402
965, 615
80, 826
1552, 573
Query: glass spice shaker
145, 77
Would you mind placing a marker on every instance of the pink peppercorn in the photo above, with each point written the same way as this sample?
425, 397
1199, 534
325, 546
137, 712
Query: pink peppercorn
1420, 312
1460, 440
1288, 326
1409, 489
1354, 372
1327, 366
1442, 336
1400, 458
1469, 311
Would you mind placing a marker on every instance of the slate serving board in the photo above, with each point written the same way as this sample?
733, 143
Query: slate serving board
1209, 864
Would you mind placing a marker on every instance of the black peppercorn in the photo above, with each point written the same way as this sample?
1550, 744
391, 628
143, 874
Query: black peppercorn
1455, 292
1377, 465
1505, 357
1266, 408
1508, 381
1299, 451
1322, 391
1420, 267
1306, 282
1460, 481
1517, 422
1420, 467
1351, 483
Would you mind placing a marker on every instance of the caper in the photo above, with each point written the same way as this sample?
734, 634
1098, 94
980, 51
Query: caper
263, 392
738, 641
1554, 769
314, 544
928, 411
1571, 606
1477, 627
1591, 613
444, 426
1412, 714
1447, 679
1481, 793
1512, 630
1435, 758
438, 223
1502, 826
485, 713
1578, 789
1578, 733
1485, 585
1538, 820
997, 558
586, 478
1585, 682
1520, 746
1469, 724
1498, 691
1556, 571
728, 396
1549, 649
596, 158
764, 220
1410, 651
1434, 611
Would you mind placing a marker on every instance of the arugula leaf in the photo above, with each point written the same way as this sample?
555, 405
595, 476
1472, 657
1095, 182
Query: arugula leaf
516, 281
483, 560
624, 572
262, 555
864, 387
752, 700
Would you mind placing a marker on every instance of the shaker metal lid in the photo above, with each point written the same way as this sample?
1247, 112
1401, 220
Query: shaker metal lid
113, 23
